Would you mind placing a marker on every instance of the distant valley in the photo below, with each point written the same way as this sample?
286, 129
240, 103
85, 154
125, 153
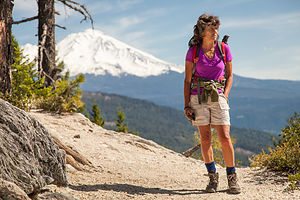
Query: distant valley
168, 126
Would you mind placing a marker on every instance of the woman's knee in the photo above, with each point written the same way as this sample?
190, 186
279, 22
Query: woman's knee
205, 138
223, 134
224, 138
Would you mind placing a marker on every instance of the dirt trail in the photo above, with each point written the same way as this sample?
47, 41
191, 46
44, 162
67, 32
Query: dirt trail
130, 167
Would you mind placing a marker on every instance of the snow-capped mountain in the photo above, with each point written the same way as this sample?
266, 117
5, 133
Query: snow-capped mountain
93, 52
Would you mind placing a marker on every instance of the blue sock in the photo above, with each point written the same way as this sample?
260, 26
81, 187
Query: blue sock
230, 170
211, 168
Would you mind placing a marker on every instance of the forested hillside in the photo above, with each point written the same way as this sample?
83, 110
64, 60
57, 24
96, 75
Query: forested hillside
257, 104
168, 126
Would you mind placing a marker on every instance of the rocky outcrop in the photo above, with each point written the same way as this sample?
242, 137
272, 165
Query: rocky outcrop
55, 196
11, 191
28, 156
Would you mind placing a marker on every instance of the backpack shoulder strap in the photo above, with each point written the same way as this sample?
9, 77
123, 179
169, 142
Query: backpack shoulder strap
221, 47
196, 50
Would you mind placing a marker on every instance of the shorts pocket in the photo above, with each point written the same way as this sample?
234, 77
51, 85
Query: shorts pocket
194, 101
223, 102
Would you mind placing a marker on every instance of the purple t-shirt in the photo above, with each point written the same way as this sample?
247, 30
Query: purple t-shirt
209, 68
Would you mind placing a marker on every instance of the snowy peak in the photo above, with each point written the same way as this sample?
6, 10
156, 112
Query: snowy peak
93, 52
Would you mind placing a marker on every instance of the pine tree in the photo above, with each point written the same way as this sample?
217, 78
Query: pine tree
26, 87
121, 126
95, 115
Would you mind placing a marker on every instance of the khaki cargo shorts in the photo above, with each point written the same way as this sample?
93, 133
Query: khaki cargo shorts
214, 113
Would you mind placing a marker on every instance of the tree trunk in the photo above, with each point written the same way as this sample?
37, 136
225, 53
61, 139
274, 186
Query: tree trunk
46, 34
6, 51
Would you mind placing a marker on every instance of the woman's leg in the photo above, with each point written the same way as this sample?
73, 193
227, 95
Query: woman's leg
206, 149
207, 153
228, 154
227, 148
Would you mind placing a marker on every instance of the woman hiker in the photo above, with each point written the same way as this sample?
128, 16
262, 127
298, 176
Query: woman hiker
206, 97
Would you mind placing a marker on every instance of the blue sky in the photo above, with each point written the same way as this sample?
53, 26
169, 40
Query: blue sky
264, 34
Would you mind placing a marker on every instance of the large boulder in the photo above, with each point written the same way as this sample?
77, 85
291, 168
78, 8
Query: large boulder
28, 156
10, 191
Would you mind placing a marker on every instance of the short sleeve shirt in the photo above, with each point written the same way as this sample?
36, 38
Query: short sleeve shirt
209, 68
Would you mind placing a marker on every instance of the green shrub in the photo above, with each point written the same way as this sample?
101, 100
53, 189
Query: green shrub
294, 181
26, 85
66, 97
285, 157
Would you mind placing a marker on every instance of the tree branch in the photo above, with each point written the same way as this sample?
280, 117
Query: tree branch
82, 10
62, 27
25, 20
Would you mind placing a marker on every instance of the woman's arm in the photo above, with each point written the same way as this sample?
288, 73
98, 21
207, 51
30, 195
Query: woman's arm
229, 78
187, 86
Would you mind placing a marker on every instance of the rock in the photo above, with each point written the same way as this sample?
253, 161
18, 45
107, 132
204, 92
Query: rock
28, 156
55, 196
11, 191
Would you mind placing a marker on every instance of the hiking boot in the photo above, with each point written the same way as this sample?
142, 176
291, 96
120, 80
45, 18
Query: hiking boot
234, 188
213, 182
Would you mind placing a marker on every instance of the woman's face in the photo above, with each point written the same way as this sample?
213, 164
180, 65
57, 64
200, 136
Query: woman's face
211, 32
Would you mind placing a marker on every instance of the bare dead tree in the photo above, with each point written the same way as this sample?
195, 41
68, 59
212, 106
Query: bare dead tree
6, 51
46, 40
46, 35
46, 55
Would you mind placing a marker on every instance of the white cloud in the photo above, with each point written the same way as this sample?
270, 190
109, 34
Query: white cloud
100, 7
25, 5
25, 8
274, 63
278, 72
156, 12
126, 22
117, 27
271, 22
288, 53
125, 4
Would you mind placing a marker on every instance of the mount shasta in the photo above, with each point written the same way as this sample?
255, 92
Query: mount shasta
112, 66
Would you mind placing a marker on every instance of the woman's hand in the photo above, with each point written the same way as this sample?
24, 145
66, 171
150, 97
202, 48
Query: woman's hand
188, 113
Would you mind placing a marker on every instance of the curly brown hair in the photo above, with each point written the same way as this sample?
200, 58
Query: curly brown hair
203, 21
